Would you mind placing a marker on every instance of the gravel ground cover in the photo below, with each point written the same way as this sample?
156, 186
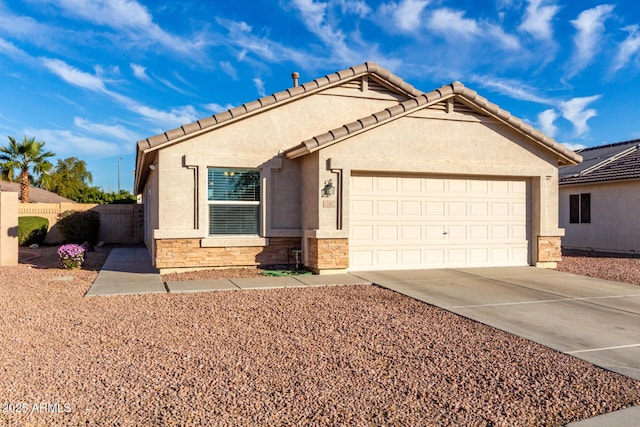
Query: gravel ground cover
355, 355
609, 268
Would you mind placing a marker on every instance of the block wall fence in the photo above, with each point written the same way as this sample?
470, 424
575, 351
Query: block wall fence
119, 224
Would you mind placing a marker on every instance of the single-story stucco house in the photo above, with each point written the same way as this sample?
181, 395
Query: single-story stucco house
358, 170
600, 199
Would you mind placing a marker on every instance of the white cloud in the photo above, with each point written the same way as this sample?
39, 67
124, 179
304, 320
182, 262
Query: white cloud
140, 72
447, 21
259, 83
177, 116
9, 49
509, 41
229, 69
355, 7
406, 15
452, 24
112, 131
575, 110
546, 121
170, 85
66, 143
240, 35
573, 146
314, 17
129, 16
538, 19
627, 50
74, 76
511, 88
589, 33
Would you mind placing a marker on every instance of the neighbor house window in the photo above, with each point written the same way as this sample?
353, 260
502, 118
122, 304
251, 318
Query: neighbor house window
234, 201
580, 208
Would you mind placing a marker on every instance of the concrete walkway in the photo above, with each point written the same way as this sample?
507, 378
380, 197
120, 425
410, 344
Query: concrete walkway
129, 271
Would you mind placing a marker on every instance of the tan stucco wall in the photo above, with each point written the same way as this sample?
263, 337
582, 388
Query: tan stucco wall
253, 142
614, 223
447, 146
8, 228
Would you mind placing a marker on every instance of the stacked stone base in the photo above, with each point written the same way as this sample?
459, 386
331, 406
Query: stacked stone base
328, 254
188, 253
549, 251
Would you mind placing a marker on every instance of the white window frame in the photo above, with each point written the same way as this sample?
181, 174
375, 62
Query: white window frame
234, 203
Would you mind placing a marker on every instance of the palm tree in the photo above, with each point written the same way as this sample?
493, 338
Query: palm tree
25, 155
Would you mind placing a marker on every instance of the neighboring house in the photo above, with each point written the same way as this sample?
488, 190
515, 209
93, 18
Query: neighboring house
361, 171
36, 195
600, 199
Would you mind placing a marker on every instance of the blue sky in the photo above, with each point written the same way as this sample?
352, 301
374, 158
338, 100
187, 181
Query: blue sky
91, 77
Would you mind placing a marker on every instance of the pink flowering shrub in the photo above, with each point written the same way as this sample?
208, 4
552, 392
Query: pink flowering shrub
71, 255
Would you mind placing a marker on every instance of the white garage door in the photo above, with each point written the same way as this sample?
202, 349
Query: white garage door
418, 222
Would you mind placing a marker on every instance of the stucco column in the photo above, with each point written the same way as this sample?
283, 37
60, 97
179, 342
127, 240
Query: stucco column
548, 241
8, 229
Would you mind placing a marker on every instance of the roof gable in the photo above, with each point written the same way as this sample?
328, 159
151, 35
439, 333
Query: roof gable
450, 98
381, 80
611, 162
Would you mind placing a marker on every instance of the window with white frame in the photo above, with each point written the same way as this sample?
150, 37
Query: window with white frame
233, 197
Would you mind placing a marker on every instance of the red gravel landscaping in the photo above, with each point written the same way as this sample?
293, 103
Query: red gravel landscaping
355, 355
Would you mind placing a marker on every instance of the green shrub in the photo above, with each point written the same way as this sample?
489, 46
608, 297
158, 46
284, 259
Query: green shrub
32, 229
79, 227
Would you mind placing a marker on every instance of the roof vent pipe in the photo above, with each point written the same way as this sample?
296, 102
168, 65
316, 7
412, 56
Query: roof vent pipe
295, 76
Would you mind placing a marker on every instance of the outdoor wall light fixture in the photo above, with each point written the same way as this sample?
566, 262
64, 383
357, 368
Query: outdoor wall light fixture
328, 189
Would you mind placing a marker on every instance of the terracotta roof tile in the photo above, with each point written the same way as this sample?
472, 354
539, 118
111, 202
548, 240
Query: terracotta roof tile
382, 115
191, 127
360, 69
252, 106
174, 133
345, 74
267, 100
419, 99
295, 91
158, 139
353, 126
396, 110
339, 132
312, 85
238, 111
282, 95
207, 122
437, 95
224, 116
368, 121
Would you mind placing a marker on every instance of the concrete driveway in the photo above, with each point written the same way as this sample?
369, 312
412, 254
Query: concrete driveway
592, 319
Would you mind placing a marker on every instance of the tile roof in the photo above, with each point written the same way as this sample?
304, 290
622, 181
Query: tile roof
37, 195
456, 89
279, 97
611, 162
417, 101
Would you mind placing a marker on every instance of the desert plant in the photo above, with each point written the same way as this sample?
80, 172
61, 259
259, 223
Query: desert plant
71, 256
79, 227
32, 229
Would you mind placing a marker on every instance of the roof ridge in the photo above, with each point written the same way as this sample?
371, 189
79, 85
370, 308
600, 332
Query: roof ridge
277, 97
613, 144
441, 93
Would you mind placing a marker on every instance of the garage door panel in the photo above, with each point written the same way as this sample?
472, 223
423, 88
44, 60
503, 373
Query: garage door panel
419, 222
457, 209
